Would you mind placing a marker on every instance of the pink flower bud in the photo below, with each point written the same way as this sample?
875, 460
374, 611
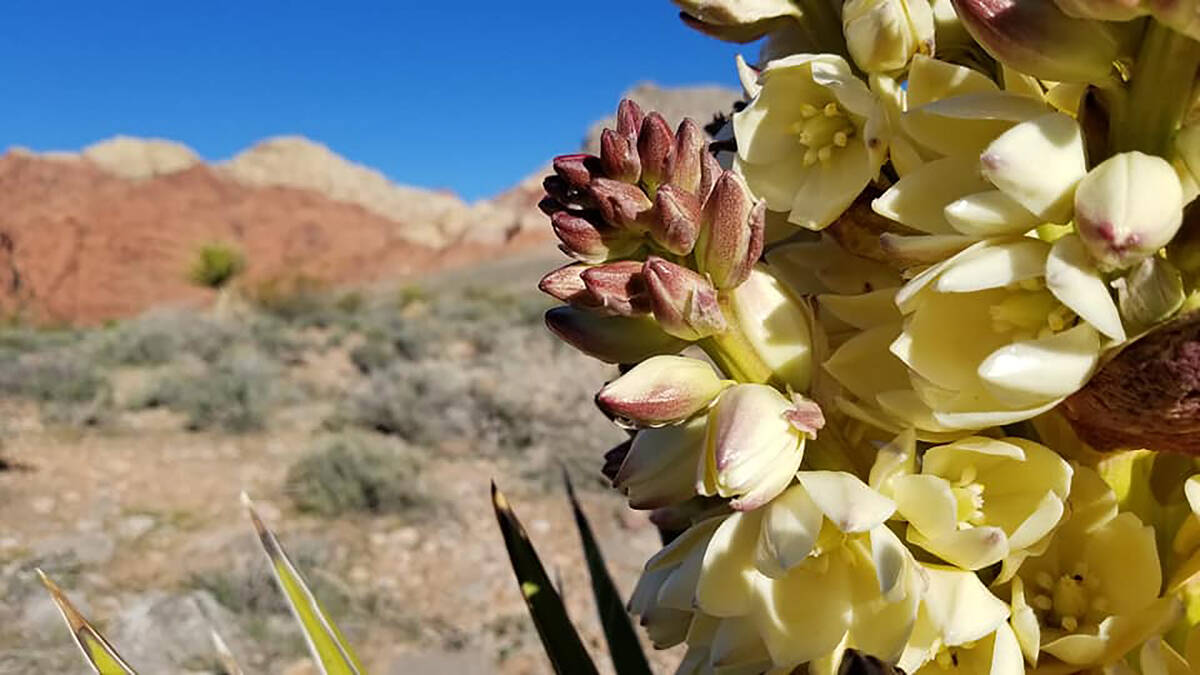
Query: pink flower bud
678, 222
612, 339
578, 170
684, 302
661, 390
710, 171
617, 287
618, 157
691, 144
731, 236
629, 118
656, 148
621, 204
586, 239
1037, 38
566, 284
562, 192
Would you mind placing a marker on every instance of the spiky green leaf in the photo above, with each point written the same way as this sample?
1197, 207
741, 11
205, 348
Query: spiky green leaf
99, 654
327, 644
562, 644
623, 646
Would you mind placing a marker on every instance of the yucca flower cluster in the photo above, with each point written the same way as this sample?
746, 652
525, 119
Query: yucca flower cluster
913, 371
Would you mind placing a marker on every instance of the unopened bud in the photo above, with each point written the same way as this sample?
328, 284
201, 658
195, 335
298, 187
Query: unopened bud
618, 157
752, 449
882, 35
691, 144
566, 284
564, 193
629, 118
550, 206
739, 20
621, 204
1105, 10
612, 339
710, 171
578, 170
1127, 208
662, 390
1037, 38
655, 147
684, 302
617, 287
585, 239
678, 222
1150, 293
661, 465
731, 236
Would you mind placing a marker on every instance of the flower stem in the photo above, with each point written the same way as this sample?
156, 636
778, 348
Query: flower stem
1159, 91
733, 352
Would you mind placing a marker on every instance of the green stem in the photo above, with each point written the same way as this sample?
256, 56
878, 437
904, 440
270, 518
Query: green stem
733, 352
1159, 92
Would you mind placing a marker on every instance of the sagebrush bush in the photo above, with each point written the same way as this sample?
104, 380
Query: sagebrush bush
354, 471
235, 394
71, 387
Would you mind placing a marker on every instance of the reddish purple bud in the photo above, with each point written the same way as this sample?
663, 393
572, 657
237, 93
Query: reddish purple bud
684, 302
578, 170
690, 146
629, 118
655, 147
618, 157
550, 206
563, 192
621, 204
731, 237
662, 390
618, 287
613, 339
710, 171
566, 284
678, 222
586, 239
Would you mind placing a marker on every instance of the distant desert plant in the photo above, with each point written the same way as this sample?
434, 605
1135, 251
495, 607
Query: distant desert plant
235, 394
356, 471
216, 265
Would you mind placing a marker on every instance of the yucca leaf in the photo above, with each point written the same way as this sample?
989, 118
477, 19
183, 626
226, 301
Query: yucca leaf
623, 645
99, 653
228, 663
327, 644
562, 644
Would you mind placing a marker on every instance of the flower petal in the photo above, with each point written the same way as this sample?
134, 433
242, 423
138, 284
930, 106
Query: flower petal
790, 526
1073, 279
1038, 163
988, 214
996, 266
919, 199
1027, 373
847, 501
727, 580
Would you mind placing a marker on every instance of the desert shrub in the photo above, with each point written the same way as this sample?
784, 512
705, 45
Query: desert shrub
355, 471
296, 299
70, 387
159, 337
234, 394
215, 265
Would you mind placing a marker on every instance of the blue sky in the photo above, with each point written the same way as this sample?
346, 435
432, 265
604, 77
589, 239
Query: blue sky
466, 95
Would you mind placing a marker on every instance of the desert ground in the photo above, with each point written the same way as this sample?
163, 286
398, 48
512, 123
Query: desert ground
365, 423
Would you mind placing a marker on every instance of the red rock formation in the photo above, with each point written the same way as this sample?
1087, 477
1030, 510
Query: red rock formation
78, 244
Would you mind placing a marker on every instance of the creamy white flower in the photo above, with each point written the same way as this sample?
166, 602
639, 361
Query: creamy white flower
660, 468
961, 627
1093, 595
998, 333
755, 443
882, 35
817, 571
980, 500
664, 597
811, 139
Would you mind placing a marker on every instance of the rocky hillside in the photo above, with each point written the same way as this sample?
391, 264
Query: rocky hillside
109, 231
